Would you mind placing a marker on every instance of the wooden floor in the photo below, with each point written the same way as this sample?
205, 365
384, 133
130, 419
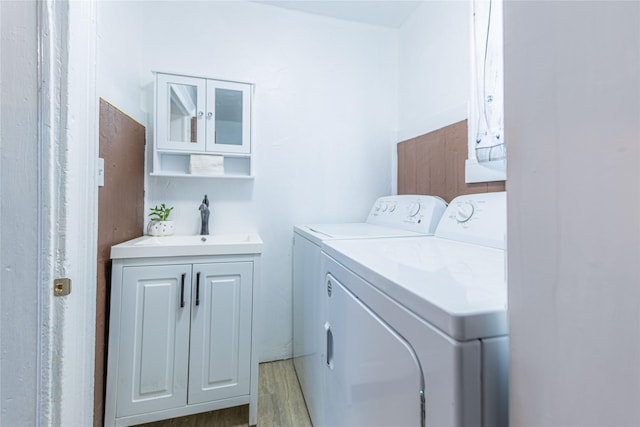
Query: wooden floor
280, 404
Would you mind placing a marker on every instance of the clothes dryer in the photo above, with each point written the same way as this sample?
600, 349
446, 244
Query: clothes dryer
390, 217
416, 328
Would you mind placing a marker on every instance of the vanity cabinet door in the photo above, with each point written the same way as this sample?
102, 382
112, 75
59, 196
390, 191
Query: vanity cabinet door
228, 117
154, 339
180, 115
221, 314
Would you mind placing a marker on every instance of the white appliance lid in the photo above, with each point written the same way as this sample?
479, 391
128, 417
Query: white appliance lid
356, 230
459, 288
390, 216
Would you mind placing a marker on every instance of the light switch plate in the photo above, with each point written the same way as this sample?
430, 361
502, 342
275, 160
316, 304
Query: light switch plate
100, 169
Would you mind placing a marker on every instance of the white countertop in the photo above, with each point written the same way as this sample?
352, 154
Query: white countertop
189, 245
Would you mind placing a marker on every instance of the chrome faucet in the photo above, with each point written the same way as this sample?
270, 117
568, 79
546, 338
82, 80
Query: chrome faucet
204, 216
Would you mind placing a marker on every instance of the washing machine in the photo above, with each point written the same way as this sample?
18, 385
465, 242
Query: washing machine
415, 329
397, 216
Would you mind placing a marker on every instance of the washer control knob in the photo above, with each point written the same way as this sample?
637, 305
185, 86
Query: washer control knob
385, 206
465, 212
392, 207
377, 207
414, 208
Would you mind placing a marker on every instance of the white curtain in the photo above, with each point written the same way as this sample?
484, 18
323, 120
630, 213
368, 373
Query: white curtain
488, 119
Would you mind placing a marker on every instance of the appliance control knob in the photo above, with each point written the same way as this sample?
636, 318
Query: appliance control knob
377, 207
465, 212
414, 208
392, 207
385, 206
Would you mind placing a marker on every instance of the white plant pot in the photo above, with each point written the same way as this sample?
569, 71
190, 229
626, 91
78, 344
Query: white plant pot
160, 228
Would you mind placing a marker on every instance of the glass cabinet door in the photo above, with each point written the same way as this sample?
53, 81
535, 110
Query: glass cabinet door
180, 114
228, 117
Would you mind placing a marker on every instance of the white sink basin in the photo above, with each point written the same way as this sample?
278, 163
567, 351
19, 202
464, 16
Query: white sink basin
167, 246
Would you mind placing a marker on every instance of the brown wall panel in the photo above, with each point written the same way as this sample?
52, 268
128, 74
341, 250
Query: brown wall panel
433, 163
409, 165
496, 186
120, 217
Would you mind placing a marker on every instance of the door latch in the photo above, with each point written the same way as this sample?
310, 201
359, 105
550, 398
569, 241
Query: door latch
61, 287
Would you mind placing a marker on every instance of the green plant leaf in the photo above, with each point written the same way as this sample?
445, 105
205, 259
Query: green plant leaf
160, 213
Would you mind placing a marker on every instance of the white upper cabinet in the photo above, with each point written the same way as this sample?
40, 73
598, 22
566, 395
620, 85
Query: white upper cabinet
197, 116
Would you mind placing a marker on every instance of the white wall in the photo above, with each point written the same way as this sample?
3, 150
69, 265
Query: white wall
19, 276
120, 74
572, 114
434, 60
324, 122
434, 63
48, 211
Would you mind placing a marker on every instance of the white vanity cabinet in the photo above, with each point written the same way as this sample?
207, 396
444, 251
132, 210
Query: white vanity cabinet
181, 337
201, 116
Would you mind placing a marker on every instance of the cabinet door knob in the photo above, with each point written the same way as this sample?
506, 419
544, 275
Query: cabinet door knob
200, 114
209, 115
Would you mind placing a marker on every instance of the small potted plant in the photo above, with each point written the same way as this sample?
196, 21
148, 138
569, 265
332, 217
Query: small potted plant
160, 224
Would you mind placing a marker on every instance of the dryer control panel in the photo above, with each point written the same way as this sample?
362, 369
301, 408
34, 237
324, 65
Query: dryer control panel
417, 213
476, 218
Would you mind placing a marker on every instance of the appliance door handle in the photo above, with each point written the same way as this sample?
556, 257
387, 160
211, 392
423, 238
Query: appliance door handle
327, 328
182, 290
198, 288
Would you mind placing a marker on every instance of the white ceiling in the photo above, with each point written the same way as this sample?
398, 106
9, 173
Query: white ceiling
385, 13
